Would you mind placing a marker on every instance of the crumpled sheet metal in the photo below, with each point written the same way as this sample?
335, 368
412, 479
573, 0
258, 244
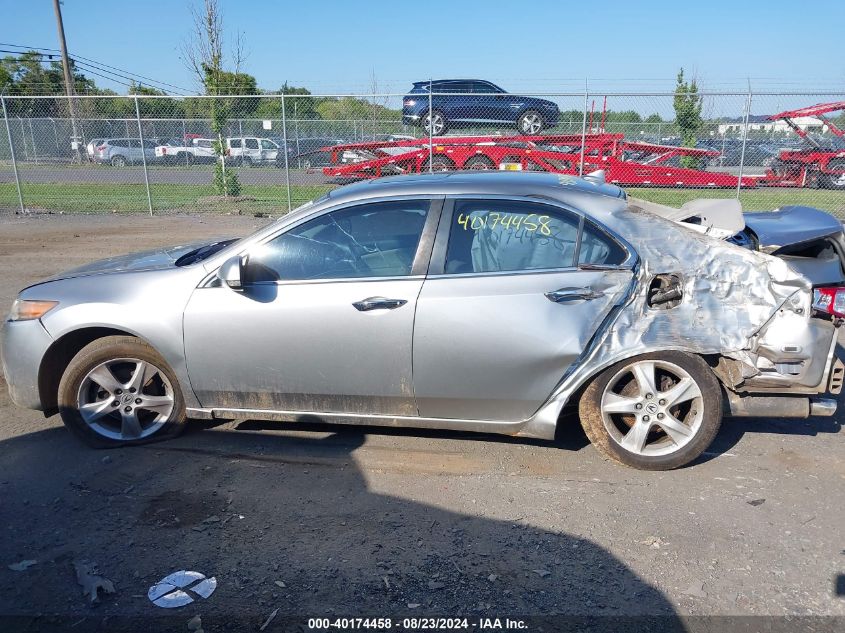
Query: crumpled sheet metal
729, 292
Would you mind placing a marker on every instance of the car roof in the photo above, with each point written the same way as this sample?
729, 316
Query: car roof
448, 81
586, 195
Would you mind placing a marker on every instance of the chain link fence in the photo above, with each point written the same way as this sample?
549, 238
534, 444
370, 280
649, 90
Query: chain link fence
270, 153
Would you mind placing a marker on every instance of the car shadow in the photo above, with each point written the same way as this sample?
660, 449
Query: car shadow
569, 435
289, 523
734, 429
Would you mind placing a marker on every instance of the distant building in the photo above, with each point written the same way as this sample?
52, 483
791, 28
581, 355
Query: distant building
761, 123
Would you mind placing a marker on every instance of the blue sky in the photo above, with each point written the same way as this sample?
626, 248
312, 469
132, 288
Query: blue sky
333, 46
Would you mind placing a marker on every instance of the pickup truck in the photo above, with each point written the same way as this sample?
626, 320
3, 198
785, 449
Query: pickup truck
195, 150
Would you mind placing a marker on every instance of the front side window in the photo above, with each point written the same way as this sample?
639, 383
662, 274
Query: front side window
368, 240
506, 235
265, 144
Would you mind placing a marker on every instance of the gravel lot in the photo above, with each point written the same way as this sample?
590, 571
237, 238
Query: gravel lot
322, 521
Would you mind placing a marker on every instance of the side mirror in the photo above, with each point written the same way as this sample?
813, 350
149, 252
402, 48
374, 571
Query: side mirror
230, 272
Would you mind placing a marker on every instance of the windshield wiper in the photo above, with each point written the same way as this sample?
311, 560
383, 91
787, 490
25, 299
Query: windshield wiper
203, 252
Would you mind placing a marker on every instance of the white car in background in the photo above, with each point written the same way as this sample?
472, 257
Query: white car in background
196, 150
252, 150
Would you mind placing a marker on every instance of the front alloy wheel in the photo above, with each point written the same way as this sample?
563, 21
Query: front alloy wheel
125, 399
654, 412
118, 390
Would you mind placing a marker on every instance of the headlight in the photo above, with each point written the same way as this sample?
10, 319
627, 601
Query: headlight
26, 309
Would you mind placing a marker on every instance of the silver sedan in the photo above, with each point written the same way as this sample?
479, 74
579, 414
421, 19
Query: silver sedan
481, 302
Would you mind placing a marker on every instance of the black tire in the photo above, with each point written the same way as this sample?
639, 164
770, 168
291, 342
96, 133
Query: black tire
439, 163
479, 163
110, 349
118, 161
530, 123
836, 180
439, 129
709, 398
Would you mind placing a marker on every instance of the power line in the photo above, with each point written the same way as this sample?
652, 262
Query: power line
102, 66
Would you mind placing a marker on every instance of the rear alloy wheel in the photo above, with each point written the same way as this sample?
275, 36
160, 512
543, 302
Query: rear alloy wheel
653, 412
118, 161
834, 178
436, 121
530, 122
479, 163
117, 391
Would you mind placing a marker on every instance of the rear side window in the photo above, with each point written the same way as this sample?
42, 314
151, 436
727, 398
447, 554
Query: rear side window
235, 142
597, 247
251, 143
506, 235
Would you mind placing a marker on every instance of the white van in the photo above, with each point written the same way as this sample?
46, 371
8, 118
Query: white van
252, 150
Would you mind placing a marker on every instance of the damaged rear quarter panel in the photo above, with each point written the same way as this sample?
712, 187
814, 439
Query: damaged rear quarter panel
730, 296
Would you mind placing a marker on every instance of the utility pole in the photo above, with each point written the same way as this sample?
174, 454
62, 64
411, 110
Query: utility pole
75, 141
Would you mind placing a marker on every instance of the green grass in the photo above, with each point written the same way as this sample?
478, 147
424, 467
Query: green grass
752, 200
132, 198
272, 199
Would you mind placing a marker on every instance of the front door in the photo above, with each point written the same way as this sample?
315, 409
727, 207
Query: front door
324, 322
506, 309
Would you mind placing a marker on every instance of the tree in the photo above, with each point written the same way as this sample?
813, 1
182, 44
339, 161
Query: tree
687, 104
30, 75
204, 55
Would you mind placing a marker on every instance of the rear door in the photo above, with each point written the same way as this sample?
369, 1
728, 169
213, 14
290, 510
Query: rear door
506, 309
491, 104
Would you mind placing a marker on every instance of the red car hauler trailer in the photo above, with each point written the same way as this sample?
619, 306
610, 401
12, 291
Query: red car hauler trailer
624, 162
813, 165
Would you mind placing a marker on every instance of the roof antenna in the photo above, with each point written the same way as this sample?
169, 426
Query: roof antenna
598, 177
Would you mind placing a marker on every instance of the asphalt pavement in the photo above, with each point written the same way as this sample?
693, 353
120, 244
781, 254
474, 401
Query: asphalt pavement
315, 520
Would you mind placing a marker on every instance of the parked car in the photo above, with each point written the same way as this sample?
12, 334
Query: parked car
511, 295
252, 151
457, 103
187, 152
90, 148
120, 152
304, 153
731, 155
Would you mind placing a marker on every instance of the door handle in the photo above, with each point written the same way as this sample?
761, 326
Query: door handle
562, 295
378, 303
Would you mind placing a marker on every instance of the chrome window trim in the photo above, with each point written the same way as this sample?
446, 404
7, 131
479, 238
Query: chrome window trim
419, 265
438, 256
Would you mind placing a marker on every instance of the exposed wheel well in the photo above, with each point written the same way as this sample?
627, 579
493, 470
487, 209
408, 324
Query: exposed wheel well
721, 366
58, 356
